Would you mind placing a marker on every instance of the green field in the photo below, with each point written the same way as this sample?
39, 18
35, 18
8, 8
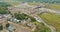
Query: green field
50, 6
53, 6
33, 3
52, 19
40, 27
14, 3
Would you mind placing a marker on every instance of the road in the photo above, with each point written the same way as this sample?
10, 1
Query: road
20, 28
50, 10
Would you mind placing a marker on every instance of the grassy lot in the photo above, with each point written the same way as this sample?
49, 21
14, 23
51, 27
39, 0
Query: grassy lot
33, 3
40, 27
52, 19
54, 6
13, 3
51, 6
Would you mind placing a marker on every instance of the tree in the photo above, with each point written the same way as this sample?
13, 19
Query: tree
3, 8
32, 19
20, 16
7, 25
1, 27
23, 16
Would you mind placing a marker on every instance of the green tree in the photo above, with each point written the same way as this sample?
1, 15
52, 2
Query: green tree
23, 16
32, 19
7, 25
3, 8
20, 16
1, 27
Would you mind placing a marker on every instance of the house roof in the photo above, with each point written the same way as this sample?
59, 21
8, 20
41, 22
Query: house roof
11, 28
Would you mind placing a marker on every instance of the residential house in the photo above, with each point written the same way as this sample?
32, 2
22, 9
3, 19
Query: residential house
14, 20
11, 28
32, 26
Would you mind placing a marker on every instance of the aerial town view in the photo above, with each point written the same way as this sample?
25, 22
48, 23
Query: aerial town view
29, 15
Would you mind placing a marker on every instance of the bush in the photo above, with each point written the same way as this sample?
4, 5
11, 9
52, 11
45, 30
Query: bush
23, 17
36, 30
20, 16
7, 25
32, 19
1, 27
3, 8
